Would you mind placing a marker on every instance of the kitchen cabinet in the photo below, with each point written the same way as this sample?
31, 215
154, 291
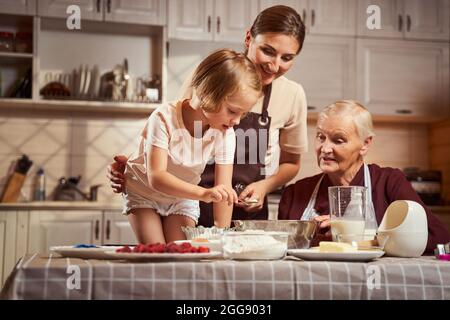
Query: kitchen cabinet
335, 57
151, 12
7, 243
25, 229
16, 79
60, 228
322, 16
403, 77
117, 229
20, 7
407, 19
99, 47
68, 227
136, 11
219, 20
89, 9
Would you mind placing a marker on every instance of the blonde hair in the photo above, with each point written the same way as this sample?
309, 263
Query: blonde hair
220, 75
360, 115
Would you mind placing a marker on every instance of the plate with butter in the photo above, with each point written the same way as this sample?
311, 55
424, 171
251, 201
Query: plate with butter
336, 251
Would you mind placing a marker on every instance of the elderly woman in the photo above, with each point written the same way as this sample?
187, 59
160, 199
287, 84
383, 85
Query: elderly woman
343, 138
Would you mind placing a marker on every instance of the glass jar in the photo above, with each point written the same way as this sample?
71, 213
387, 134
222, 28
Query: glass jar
6, 41
24, 42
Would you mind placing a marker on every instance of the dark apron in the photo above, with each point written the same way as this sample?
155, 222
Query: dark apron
245, 173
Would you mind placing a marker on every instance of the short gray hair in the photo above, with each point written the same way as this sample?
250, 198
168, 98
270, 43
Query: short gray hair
360, 115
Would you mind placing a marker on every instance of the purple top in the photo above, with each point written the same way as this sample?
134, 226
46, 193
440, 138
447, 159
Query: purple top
388, 185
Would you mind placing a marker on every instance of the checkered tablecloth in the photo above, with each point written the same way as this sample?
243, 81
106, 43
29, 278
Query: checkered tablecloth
52, 277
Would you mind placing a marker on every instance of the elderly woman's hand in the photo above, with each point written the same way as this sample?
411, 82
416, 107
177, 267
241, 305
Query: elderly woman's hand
255, 191
322, 234
323, 222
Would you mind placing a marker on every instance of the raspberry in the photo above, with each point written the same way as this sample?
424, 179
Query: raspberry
203, 249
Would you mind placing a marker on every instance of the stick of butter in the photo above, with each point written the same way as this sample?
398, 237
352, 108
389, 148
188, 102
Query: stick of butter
329, 246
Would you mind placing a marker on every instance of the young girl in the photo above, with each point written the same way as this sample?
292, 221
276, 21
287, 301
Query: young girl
273, 42
161, 193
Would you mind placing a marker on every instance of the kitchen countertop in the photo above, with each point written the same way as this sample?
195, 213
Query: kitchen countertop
60, 205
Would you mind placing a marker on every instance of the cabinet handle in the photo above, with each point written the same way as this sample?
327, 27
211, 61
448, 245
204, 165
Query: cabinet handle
108, 229
167, 49
209, 24
400, 22
408, 23
108, 6
311, 108
313, 17
304, 16
218, 24
97, 229
98, 5
403, 111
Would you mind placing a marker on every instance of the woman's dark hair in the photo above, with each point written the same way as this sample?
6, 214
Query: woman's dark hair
280, 19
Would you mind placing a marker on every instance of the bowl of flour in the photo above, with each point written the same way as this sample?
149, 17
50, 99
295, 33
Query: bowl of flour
254, 245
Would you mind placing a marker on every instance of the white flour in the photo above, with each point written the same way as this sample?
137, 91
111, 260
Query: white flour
254, 247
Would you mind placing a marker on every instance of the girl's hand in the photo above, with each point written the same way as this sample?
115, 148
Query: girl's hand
220, 193
115, 173
255, 191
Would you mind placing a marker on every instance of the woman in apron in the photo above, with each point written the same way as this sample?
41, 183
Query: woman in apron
344, 134
278, 119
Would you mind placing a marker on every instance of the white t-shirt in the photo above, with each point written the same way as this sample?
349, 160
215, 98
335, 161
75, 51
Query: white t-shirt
187, 156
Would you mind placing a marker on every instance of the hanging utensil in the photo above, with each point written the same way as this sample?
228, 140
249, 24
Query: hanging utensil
125, 78
87, 81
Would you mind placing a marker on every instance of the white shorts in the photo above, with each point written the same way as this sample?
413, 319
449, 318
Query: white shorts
185, 207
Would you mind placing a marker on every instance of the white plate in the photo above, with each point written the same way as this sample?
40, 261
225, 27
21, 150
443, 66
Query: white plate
163, 256
315, 254
84, 253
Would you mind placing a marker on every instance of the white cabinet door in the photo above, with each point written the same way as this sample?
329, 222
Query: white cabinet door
322, 16
191, 19
25, 7
59, 228
117, 229
332, 17
90, 9
334, 57
301, 6
152, 12
427, 19
409, 77
232, 19
7, 243
391, 14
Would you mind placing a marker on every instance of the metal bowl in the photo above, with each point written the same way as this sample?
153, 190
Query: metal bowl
300, 232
